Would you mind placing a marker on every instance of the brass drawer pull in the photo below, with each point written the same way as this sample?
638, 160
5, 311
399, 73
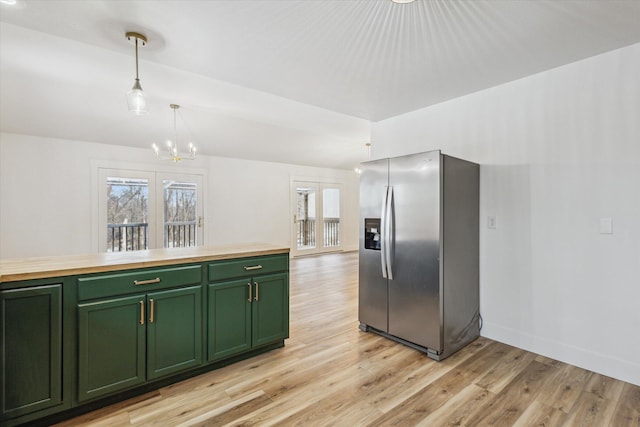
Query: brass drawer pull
250, 297
257, 289
146, 282
142, 312
253, 267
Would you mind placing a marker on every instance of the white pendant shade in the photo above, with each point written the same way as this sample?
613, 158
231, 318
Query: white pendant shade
136, 100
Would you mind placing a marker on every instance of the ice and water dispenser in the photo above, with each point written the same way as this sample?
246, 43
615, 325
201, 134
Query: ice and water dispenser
372, 233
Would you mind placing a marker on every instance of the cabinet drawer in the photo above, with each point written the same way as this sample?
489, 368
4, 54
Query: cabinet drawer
105, 285
247, 267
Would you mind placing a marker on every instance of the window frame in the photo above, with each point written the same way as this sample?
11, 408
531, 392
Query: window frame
319, 184
100, 170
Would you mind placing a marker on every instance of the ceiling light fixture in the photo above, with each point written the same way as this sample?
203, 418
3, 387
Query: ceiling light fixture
359, 170
135, 97
9, 2
172, 145
403, 1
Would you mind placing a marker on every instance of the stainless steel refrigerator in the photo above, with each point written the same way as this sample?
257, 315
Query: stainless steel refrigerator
418, 256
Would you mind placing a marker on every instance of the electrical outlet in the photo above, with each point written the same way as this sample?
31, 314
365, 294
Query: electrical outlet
606, 225
491, 222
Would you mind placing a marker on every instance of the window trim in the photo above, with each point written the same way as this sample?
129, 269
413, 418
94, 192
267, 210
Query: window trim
139, 169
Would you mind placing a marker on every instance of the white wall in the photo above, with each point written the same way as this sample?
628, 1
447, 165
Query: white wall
46, 196
558, 151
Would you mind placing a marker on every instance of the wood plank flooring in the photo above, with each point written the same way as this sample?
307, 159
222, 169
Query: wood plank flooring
331, 374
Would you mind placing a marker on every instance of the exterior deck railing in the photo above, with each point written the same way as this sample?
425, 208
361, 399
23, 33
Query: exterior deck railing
306, 232
134, 236
179, 234
331, 232
127, 237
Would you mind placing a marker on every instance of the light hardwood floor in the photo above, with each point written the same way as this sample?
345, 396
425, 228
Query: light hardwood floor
330, 373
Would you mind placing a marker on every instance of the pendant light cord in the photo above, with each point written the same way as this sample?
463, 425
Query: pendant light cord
137, 78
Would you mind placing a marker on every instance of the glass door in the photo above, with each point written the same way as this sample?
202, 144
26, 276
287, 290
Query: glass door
306, 196
330, 217
127, 214
316, 218
127, 207
182, 220
140, 210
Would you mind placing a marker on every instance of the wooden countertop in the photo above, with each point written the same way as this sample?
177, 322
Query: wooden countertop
12, 270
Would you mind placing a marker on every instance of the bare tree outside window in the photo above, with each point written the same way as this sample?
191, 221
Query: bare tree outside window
180, 222
127, 214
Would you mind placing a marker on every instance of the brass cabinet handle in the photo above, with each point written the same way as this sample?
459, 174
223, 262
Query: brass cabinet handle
146, 282
152, 310
249, 285
142, 312
257, 287
253, 267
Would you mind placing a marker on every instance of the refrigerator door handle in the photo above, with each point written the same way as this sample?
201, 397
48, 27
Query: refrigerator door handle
390, 236
383, 229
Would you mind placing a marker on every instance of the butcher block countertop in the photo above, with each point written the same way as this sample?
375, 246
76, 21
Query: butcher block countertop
12, 270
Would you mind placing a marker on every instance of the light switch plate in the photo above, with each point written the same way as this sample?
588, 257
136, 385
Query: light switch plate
491, 222
606, 225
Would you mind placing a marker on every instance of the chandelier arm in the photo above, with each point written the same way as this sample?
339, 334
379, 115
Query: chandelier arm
172, 146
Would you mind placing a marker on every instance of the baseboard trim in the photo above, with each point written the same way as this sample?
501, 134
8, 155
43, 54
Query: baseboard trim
623, 370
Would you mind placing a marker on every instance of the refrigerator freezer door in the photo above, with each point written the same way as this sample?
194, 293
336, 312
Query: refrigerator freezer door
414, 292
372, 306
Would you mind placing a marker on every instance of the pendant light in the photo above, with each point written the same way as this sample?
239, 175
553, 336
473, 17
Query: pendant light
172, 152
135, 97
358, 170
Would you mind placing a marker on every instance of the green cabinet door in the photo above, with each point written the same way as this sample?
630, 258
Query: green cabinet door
31, 353
229, 318
111, 346
270, 317
174, 331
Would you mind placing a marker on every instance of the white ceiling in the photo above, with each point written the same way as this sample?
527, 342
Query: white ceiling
295, 81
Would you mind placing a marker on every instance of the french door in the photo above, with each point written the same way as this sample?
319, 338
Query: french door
316, 217
140, 210
181, 218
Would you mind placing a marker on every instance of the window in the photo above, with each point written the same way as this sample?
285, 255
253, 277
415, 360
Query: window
140, 209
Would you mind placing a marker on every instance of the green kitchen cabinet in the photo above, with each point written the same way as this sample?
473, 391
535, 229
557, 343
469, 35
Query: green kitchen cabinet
31, 354
247, 312
174, 331
229, 319
270, 309
86, 339
111, 345
124, 342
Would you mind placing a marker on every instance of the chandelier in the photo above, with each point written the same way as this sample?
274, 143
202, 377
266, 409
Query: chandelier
172, 152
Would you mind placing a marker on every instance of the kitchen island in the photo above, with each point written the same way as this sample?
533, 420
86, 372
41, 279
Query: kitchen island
81, 332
